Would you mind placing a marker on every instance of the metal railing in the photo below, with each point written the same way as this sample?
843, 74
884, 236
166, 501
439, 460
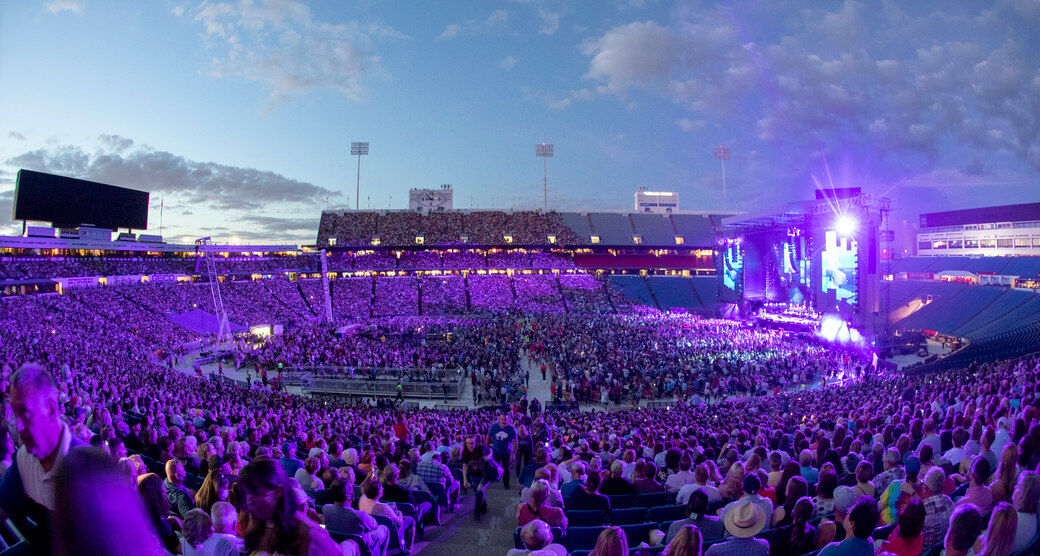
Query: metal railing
381, 388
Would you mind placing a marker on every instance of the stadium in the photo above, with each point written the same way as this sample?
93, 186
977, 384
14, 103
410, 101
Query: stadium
652, 351
286, 277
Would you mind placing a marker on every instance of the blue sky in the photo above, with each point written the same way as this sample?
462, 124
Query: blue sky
240, 114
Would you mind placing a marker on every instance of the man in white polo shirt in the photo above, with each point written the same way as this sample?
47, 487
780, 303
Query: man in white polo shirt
27, 489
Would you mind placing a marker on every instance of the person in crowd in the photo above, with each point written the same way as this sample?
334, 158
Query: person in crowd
864, 473
537, 539
1000, 534
92, 501
978, 492
808, 472
700, 477
795, 490
907, 539
215, 488
859, 525
800, 536
502, 438
833, 529
1025, 498
1003, 483
272, 523
182, 499
554, 498
611, 542
824, 499
743, 522
393, 492
157, 508
687, 541
616, 483
537, 507
433, 471
588, 496
339, 516
490, 472
751, 485
224, 541
26, 492
197, 529
709, 527
937, 507
372, 491
682, 477
307, 476
966, 524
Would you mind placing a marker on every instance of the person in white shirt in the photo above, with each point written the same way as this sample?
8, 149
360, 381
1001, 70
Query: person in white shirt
224, 542
538, 541
680, 478
700, 474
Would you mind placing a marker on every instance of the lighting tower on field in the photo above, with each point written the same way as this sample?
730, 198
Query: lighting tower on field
545, 150
358, 148
722, 153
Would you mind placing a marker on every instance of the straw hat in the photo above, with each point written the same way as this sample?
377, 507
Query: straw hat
744, 520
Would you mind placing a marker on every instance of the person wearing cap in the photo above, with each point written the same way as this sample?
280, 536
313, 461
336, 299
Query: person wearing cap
834, 530
743, 521
859, 525
752, 484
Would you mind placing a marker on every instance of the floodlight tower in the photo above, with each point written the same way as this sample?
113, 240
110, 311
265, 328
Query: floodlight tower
358, 148
722, 153
545, 150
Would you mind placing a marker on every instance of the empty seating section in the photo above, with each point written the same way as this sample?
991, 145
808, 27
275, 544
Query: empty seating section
579, 224
612, 228
673, 292
628, 292
654, 229
694, 229
443, 295
538, 293
583, 293
395, 295
1024, 267
352, 297
707, 289
1008, 301
490, 292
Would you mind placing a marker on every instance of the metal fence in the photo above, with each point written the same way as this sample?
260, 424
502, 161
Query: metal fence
381, 388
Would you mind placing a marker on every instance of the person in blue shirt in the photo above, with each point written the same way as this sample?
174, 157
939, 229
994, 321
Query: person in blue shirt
502, 439
859, 525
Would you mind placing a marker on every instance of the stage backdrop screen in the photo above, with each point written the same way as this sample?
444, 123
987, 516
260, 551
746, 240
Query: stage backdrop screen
69, 202
839, 268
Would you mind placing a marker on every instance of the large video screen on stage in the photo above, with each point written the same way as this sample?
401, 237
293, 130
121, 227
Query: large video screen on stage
733, 269
838, 265
794, 268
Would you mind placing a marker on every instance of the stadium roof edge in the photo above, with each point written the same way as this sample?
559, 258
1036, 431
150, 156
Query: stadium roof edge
20, 242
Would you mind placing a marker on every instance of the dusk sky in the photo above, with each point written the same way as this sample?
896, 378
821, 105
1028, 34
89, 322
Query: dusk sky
240, 114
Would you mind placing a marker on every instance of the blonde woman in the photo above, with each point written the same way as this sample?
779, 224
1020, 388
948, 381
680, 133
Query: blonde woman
1000, 536
687, 542
611, 542
733, 485
1007, 473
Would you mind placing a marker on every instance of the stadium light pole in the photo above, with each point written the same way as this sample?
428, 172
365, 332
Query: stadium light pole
722, 153
358, 148
545, 150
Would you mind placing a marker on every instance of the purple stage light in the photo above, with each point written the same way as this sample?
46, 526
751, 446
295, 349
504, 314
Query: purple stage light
845, 225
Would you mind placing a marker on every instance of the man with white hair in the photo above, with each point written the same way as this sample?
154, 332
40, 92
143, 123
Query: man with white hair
538, 541
937, 507
27, 489
224, 542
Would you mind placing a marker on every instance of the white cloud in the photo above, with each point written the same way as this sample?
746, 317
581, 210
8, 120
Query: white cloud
284, 46
58, 6
508, 63
688, 125
550, 21
208, 184
632, 55
450, 31
494, 20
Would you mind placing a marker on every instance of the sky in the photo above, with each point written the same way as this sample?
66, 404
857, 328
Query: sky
237, 116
